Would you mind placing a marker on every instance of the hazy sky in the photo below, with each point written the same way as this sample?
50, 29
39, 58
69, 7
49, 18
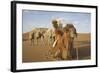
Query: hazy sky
38, 19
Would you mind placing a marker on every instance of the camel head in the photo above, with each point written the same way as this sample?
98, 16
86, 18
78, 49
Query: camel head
57, 24
70, 27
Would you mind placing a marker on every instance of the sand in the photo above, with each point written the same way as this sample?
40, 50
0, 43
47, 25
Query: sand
39, 52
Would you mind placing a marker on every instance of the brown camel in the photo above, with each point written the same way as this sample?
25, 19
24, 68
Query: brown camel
67, 41
64, 37
39, 36
59, 48
73, 34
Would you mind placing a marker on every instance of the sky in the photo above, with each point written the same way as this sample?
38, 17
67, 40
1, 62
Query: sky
42, 19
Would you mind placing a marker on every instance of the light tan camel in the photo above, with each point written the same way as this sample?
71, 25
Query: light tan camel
49, 36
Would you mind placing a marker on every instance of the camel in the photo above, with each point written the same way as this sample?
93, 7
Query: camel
49, 36
58, 50
35, 35
39, 36
63, 40
31, 37
73, 35
67, 39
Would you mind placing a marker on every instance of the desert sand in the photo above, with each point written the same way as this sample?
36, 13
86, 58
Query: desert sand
39, 53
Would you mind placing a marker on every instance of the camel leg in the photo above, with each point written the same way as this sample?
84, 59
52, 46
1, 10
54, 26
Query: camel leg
57, 53
49, 41
64, 54
37, 42
31, 42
